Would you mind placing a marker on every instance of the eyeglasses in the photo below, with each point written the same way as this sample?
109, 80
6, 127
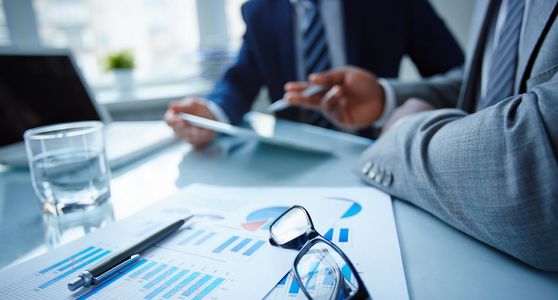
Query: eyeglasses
321, 269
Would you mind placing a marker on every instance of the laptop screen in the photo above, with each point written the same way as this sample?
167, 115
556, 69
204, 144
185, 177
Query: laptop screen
37, 90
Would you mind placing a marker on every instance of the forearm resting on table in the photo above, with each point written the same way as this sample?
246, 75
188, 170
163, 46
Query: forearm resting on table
491, 174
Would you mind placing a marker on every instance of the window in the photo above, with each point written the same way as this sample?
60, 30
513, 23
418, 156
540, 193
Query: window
4, 36
164, 35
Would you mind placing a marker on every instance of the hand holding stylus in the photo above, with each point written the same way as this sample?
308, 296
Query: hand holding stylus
194, 135
355, 98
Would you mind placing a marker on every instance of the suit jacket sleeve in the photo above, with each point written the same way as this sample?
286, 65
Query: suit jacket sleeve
492, 174
430, 45
240, 84
442, 91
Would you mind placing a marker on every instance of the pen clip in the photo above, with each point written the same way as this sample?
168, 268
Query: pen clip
120, 267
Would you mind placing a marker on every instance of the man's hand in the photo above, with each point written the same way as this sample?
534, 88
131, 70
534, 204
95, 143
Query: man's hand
196, 136
355, 98
410, 107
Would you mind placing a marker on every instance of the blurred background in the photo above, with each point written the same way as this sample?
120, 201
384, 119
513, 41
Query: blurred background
180, 47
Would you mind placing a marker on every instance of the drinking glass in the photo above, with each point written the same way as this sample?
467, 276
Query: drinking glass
68, 165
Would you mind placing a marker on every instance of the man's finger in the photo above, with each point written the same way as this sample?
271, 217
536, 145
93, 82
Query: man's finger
189, 105
197, 137
297, 99
334, 105
329, 78
202, 132
169, 117
331, 99
206, 135
177, 108
186, 134
174, 121
296, 86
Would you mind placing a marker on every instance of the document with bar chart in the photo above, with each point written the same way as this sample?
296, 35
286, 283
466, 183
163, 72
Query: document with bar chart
223, 254
366, 232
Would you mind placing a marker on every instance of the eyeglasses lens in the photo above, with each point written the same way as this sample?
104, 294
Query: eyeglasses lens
294, 223
325, 274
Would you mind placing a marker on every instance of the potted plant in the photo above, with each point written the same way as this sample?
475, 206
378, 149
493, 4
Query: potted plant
121, 64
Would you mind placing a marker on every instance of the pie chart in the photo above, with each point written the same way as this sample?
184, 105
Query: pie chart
262, 218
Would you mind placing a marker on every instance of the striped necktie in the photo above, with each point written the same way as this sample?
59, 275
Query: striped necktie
314, 41
315, 52
503, 67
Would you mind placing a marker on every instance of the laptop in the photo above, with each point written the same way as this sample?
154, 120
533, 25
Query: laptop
46, 87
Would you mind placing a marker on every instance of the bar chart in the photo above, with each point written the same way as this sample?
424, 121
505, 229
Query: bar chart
151, 279
147, 278
218, 242
249, 245
68, 266
340, 235
287, 286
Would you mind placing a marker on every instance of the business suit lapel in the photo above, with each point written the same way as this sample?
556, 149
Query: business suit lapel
538, 16
353, 25
480, 23
284, 30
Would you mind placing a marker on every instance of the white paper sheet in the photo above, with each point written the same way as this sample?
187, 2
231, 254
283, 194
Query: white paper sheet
224, 255
367, 234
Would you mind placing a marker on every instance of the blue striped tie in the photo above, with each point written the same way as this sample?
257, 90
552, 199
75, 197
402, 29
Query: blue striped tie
502, 70
314, 41
315, 52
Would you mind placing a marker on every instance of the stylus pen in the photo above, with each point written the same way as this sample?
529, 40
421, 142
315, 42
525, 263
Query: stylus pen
123, 259
283, 103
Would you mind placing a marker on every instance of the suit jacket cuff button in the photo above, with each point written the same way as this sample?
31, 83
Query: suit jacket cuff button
372, 172
380, 175
366, 167
388, 179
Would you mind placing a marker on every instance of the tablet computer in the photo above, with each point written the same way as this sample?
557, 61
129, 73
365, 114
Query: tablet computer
265, 135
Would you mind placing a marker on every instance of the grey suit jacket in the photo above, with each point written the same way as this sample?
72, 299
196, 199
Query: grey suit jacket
492, 174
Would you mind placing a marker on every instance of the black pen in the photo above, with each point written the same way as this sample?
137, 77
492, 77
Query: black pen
123, 258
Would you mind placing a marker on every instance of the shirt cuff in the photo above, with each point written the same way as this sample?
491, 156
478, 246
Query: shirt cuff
389, 105
217, 111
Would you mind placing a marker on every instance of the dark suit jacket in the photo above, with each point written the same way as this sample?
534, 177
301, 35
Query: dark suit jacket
377, 35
